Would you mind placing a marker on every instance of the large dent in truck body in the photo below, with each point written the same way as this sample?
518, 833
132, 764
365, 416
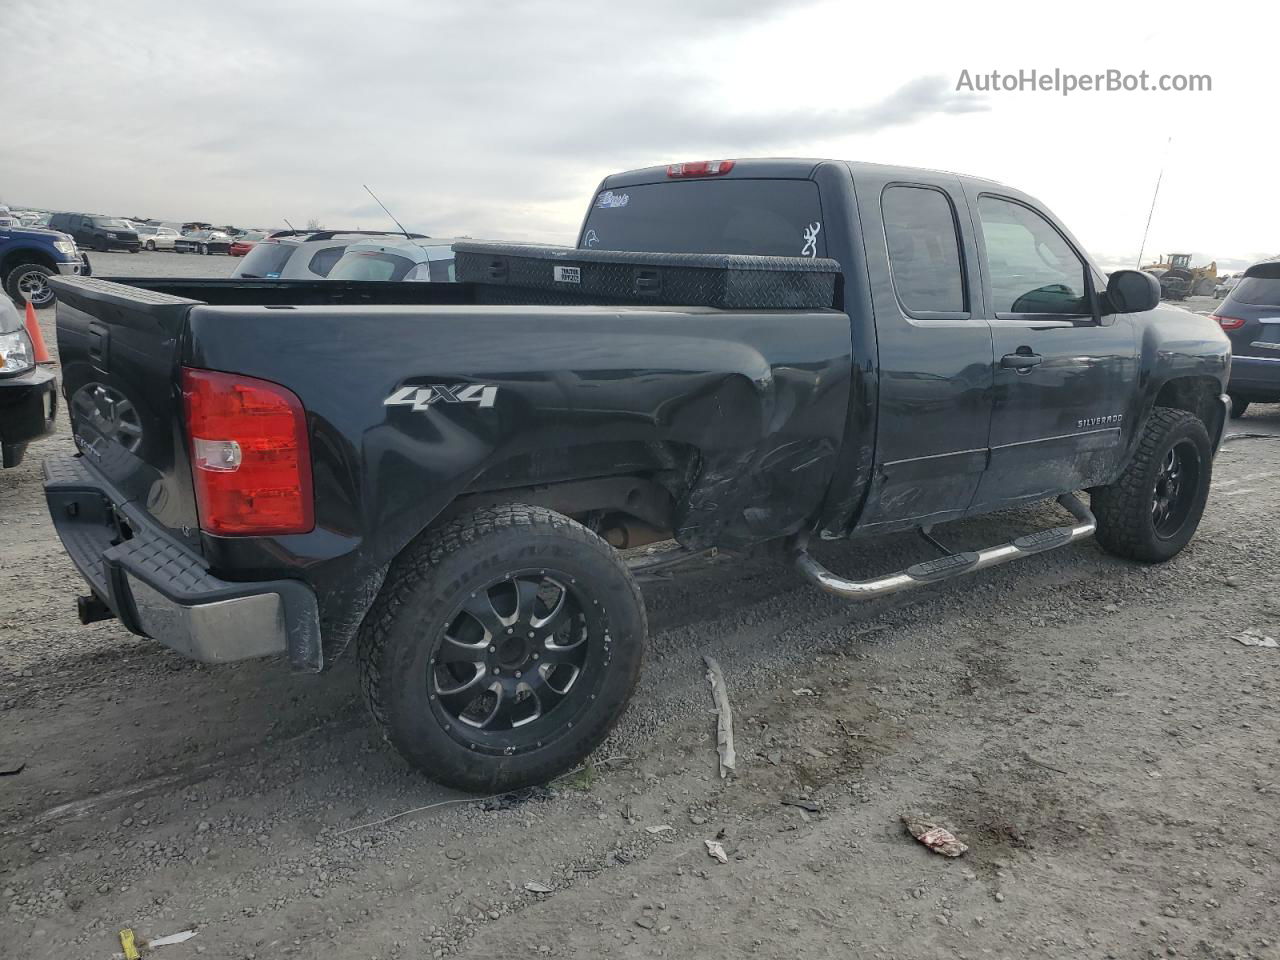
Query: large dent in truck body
749, 406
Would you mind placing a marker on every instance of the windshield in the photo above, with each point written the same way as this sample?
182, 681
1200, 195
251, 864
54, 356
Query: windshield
371, 265
110, 223
265, 260
778, 218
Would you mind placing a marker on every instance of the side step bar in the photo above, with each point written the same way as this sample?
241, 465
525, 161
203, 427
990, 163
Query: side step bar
950, 566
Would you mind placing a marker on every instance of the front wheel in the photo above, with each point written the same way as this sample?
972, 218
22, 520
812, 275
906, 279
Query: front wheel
1238, 406
29, 283
151, 246
1152, 511
502, 648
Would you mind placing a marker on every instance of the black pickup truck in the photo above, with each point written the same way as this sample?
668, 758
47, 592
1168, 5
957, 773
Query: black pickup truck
445, 476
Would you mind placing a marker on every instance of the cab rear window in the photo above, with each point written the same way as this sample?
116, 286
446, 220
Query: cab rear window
777, 218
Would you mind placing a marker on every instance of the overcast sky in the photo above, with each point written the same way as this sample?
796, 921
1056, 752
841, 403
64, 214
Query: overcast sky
497, 119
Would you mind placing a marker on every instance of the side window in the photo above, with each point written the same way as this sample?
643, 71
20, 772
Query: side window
324, 260
924, 250
1032, 267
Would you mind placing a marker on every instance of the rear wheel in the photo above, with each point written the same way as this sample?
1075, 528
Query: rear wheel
1152, 511
502, 648
204, 249
29, 283
1238, 406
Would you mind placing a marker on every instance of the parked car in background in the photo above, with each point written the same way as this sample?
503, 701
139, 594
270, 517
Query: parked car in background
29, 256
28, 392
395, 258
1250, 316
303, 255
1226, 285
246, 242
202, 241
97, 232
155, 237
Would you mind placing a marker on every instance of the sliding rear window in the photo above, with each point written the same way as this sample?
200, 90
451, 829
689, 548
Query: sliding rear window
777, 218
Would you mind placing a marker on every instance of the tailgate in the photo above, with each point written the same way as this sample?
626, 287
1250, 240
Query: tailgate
118, 347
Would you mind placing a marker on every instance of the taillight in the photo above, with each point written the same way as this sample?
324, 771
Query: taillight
700, 168
250, 459
1228, 323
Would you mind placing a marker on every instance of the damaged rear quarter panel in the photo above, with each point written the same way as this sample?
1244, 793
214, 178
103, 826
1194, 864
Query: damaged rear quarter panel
758, 399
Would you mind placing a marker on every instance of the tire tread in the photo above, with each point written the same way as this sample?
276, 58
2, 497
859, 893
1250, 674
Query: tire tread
1122, 507
417, 563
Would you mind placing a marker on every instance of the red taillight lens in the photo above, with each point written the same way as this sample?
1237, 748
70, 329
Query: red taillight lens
700, 168
1228, 323
250, 459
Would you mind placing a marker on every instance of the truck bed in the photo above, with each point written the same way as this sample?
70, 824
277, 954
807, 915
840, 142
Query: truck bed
418, 398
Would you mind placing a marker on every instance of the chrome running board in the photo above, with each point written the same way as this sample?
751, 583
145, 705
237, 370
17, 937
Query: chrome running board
954, 565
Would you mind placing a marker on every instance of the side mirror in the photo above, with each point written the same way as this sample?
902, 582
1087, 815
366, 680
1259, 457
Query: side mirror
1133, 291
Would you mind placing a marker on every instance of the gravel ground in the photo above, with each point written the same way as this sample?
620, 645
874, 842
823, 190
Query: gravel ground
1088, 726
161, 264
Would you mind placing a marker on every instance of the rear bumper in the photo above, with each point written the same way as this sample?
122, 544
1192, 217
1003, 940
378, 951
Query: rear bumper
28, 408
159, 589
1256, 375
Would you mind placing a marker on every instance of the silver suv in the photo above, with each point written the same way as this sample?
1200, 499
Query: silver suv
304, 255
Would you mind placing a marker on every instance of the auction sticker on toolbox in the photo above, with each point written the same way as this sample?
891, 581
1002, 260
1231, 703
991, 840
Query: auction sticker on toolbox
566, 274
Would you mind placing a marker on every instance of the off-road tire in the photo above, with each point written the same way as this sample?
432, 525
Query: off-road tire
1126, 526
423, 595
1238, 406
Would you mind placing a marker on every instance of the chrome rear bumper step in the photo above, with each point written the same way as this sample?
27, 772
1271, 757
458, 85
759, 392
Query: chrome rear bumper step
954, 565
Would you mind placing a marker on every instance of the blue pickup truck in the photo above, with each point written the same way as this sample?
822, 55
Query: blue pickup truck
30, 256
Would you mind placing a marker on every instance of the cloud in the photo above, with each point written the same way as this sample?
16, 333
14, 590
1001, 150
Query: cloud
493, 119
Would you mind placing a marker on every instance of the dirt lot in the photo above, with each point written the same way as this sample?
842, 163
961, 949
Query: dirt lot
1089, 727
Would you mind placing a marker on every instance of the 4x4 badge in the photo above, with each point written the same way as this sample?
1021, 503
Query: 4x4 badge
419, 398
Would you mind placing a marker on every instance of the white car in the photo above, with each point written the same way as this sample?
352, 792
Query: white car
156, 238
396, 259
302, 254
1224, 287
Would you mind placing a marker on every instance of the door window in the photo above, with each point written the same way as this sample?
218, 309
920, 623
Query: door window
1033, 269
924, 250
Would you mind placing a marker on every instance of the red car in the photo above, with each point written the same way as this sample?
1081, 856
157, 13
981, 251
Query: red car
244, 243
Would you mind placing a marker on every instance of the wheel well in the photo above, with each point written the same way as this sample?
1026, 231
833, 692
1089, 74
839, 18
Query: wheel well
19, 257
628, 511
1197, 395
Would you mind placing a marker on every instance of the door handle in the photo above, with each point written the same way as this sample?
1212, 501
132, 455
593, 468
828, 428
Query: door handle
1022, 362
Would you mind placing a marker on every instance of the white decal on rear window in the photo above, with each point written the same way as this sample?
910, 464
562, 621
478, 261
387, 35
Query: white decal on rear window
810, 248
611, 199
